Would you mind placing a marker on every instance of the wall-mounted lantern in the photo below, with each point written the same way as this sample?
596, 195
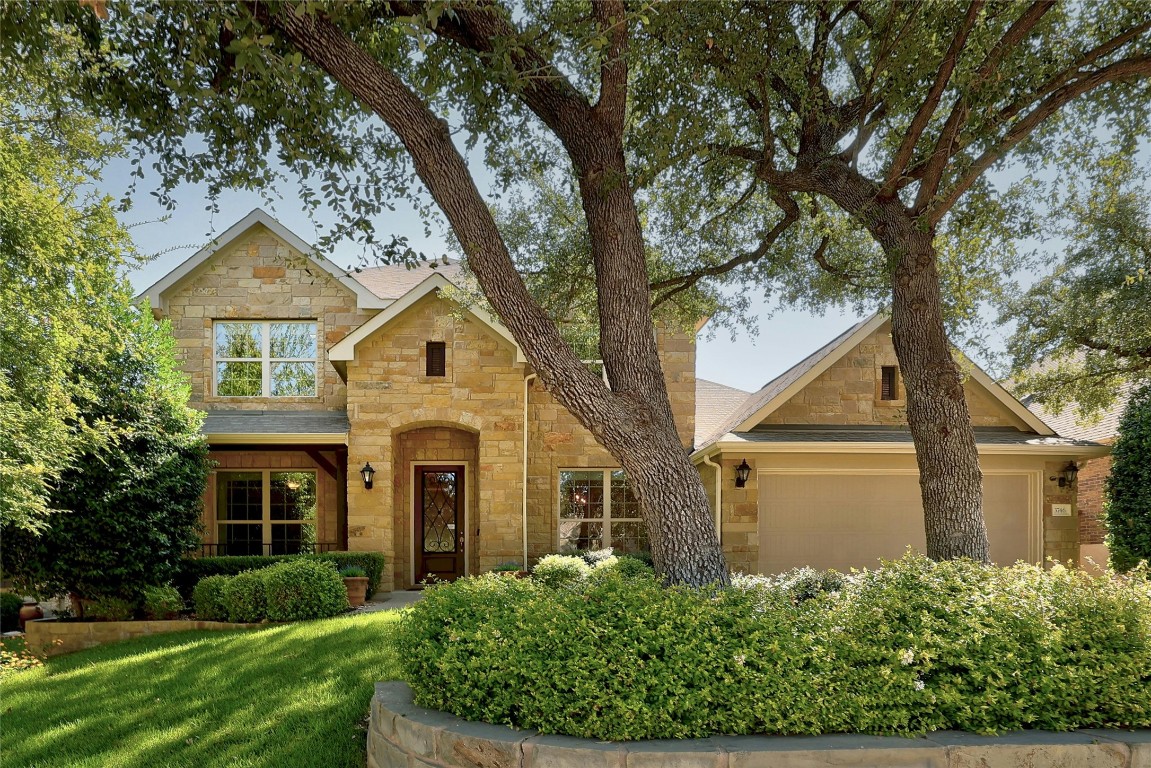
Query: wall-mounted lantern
742, 472
1066, 476
367, 473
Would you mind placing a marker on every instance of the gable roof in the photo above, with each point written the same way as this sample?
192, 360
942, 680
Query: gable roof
345, 349
365, 298
714, 403
785, 386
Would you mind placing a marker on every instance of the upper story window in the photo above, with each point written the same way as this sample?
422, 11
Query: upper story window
270, 358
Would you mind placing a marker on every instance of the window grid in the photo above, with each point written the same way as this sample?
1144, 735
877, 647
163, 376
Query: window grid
267, 363
610, 516
249, 527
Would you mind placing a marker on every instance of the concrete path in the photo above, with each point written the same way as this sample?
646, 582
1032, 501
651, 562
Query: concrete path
393, 601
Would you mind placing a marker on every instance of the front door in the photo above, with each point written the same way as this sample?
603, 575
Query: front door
439, 523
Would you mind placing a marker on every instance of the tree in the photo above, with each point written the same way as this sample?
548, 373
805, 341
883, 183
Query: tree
824, 124
61, 251
1089, 321
134, 502
1129, 485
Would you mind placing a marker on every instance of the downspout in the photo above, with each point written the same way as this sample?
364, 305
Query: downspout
718, 496
524, 521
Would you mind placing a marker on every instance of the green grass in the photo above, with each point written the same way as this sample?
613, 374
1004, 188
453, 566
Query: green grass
294, 695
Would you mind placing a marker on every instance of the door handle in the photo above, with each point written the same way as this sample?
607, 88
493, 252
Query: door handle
461, 535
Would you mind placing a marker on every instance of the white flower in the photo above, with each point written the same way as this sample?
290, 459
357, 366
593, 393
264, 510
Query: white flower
740, 659
919, 686
907, 657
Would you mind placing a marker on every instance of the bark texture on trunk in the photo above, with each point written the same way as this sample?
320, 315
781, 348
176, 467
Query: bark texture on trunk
633, 420
950, 480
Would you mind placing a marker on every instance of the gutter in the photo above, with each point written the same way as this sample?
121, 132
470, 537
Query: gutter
524, 521
706, 458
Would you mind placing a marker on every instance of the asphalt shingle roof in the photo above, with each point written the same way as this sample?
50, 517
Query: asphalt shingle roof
274, 422
895, 435
392, 281
713, 404
1066, 422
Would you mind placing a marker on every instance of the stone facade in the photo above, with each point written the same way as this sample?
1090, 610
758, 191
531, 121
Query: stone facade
847, 393
259, 277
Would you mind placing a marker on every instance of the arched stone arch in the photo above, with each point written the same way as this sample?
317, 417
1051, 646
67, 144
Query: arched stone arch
419, 418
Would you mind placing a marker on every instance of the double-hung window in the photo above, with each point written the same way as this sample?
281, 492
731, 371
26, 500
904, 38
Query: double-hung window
597, 510
263, 512
270, 358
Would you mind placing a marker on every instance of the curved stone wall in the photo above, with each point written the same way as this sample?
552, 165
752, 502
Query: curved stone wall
402, 735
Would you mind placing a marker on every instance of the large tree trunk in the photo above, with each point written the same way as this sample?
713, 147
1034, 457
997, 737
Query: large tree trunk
634, 420
949, 476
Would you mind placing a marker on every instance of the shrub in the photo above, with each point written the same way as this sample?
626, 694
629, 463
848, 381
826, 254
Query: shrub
1128, 514
561, 571
193, 569
623, 566
244, 598
208, 598
10, 604
352, 571
912, 647
110, 609
162, 602
303, 589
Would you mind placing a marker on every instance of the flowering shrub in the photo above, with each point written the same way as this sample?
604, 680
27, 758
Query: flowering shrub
16, 657
912, 647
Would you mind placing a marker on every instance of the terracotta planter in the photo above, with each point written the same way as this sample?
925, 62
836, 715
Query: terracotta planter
357, 587
30, 611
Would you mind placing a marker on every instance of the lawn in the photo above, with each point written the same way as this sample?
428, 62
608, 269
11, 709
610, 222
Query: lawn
294, 695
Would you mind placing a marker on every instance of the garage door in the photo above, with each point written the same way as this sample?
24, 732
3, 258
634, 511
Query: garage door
849, 521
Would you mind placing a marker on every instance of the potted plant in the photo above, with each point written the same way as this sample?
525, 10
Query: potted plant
511, 568
356, 582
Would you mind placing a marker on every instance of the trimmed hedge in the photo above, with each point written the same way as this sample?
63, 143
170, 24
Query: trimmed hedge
303, 589
245, 600
193, 569
208, 598
912, 647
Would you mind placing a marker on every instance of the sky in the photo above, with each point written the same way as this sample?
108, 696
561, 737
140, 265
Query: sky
746, 362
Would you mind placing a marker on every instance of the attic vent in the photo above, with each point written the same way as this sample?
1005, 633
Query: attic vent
437, 362
889, 385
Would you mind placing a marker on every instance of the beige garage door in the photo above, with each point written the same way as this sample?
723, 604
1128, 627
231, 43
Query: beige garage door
849, 521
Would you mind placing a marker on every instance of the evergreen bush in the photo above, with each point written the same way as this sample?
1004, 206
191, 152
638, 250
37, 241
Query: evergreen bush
208, 598
162, 602
1128, 515
245, 600
303, 589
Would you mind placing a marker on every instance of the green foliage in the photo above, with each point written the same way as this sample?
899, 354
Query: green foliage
10, 604
136, 499
111, 608
208, 598
161, 602
913, 647
1129, 485
560, 571
303, 589
350, 571
245, 598
61, 255
1089, 321
193, 569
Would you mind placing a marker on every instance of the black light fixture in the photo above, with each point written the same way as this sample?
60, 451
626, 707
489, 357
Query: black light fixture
367, 473
742, 472
1066, 476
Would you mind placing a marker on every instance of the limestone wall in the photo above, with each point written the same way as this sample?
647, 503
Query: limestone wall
260, 277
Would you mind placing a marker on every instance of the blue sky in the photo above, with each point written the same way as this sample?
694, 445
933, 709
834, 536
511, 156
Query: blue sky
747, 362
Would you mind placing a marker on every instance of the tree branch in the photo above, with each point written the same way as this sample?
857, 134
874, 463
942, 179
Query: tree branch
1139, 66
612, 102
931, 101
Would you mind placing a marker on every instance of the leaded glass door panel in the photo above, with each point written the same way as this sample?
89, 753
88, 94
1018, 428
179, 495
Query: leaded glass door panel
439, 524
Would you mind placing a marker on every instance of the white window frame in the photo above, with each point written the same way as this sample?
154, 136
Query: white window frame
265, 522
607, 518
266, 360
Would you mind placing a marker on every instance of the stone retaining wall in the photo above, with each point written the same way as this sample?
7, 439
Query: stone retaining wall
402, 734
52, 637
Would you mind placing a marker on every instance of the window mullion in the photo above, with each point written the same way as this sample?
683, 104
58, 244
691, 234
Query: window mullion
607, 508
266, 501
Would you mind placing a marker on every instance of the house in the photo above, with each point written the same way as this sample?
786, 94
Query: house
370, 412
833, 481
1093, 473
